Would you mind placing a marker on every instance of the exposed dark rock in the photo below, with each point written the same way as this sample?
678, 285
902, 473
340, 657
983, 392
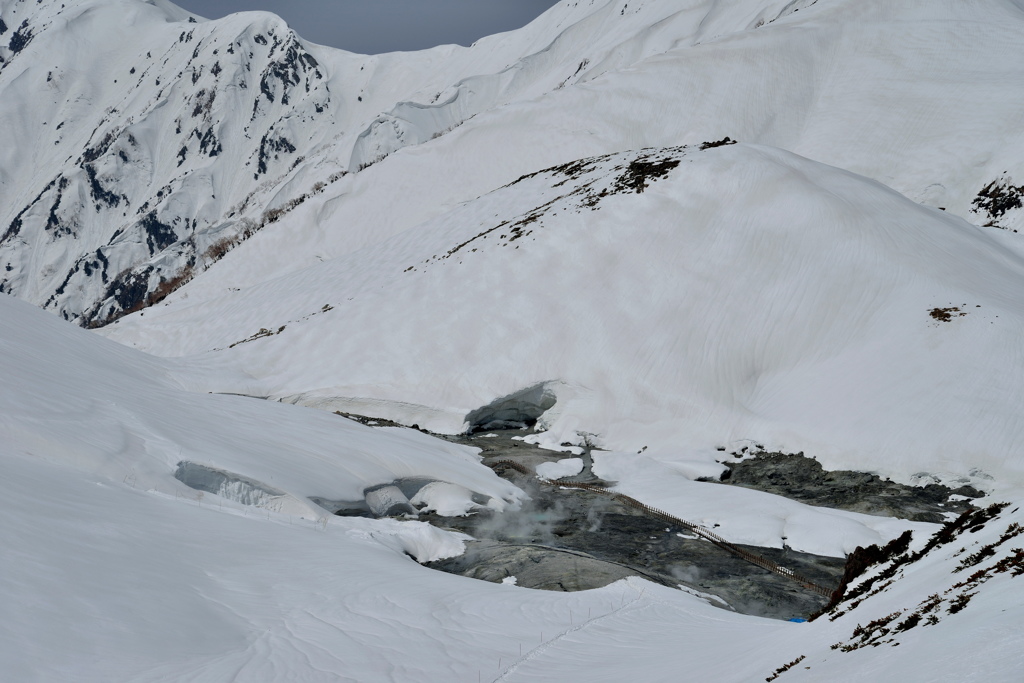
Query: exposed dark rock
53, 222
91, 154
102, 259
861, 559
269, 147
204, 102
20, 38
288, 70
895, 556
159, 235
572, 539
16, 224
100, 194
802, 478
63, 285
209, 144
14, 228
998, 197
636, 176
944, 315
717, 143
129, 289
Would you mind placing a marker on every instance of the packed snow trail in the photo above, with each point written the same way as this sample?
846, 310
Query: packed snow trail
547, 644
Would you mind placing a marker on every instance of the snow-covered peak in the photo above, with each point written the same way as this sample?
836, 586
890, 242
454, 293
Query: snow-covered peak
153, 142
129, 116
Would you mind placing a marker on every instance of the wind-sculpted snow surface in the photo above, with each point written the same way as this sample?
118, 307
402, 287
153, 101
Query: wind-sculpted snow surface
116, 413
677, 298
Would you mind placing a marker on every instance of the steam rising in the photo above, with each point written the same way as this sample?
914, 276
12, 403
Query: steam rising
533, 522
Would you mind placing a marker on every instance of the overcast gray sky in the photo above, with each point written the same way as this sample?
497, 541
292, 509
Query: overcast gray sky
373, 26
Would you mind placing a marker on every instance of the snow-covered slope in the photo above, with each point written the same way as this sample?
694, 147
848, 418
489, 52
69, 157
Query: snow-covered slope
115, 571
148, 145
793, 310
677, 299
81, 402
549, 225
142, 135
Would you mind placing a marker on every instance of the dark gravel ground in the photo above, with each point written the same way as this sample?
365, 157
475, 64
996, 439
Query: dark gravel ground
567, 539
572, 539
801, 478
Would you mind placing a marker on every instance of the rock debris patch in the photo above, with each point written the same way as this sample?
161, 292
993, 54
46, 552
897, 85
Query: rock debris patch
804, 479
565, 538
568, 539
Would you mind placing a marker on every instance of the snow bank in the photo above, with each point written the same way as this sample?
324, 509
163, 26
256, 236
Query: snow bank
73, 398
447, 500
566, 467
747, 516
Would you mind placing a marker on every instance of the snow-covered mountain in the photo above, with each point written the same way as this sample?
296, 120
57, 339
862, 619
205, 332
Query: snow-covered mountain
666, 229
151, 142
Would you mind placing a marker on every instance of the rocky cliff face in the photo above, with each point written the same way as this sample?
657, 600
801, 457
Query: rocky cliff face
148, 143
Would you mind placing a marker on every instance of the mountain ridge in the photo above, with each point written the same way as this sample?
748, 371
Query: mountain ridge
93, 264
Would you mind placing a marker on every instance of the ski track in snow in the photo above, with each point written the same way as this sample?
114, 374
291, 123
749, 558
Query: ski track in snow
546, 645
